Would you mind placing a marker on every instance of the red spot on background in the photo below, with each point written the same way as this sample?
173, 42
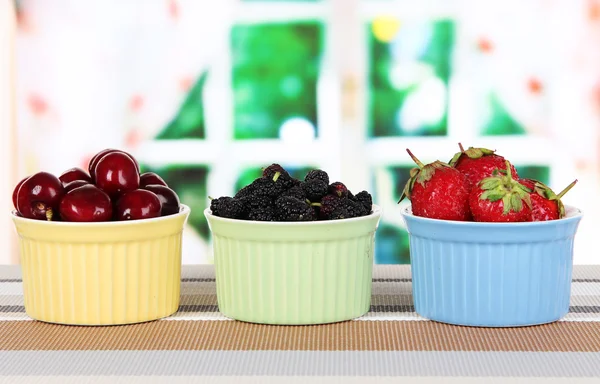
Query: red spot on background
484, 45
185, 83
594, 11
133, 138
173, 9
37, 104
535, 86
136, 103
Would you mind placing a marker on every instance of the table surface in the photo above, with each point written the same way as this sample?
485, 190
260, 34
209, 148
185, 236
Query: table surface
198, 343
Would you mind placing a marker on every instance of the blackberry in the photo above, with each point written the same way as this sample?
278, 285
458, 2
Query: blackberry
314, 189
347, 209
267, 187
228, 207
366, 200
254, 202
339, 189
272, 170
289, 208
317, 174
262, 214
296, 191
248, 190
328, 204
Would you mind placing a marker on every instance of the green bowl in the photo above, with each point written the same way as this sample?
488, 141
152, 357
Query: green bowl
294, 272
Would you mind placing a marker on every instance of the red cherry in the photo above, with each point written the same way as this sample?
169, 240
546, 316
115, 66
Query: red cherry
138, 204
167, 197
16, 191
87, 203
74, 174
75, 184
116, 174
97, 157
149, 178
39, 196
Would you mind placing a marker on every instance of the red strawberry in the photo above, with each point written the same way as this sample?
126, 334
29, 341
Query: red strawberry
500, 198
437, 191
545, 204
478, 163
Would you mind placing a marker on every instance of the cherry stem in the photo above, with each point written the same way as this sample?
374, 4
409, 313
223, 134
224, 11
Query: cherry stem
461, 148
417, 161
564, 191
276, 176
49, 214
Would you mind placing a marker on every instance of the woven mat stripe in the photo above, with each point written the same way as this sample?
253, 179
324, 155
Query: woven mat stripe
353, 335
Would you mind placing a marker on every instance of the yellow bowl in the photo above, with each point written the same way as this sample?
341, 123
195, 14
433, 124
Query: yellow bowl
108, 273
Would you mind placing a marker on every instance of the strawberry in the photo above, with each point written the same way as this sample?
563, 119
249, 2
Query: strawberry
478, 163
545, 204
437, 191
500, 198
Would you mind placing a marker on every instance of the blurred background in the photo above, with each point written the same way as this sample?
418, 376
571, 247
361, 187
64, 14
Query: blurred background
207, 92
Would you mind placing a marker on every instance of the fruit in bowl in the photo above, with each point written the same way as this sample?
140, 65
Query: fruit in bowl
99, 248
499, 254
114, 185
290, 251
276, 196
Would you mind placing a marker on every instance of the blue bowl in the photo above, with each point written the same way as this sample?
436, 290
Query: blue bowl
492, 274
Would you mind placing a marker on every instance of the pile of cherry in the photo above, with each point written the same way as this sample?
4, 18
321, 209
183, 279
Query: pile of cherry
114, 189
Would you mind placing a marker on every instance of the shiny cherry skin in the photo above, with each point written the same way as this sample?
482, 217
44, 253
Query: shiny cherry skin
87, 203
16, 191
74, 174
39, 197
137, 205
116, 174
167, 197
75, 184
149, 178
97, 157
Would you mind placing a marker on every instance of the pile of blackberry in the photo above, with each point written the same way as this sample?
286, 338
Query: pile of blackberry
276, 196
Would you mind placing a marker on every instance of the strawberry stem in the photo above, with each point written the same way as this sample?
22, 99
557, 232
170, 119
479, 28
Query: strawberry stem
417, 161
508, 171
564, 191
461, 148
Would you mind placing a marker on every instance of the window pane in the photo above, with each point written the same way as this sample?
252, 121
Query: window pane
275, 70
409, 71
188, 122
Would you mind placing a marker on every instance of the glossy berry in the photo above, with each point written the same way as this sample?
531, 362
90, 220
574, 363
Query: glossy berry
75, 184
317, 174
151, 178
138, 204
96, 159
168, 198
347, 209
366, 200
291, 209
39, 196
545, 204
74, 174
87, 203
328, 204
116, 174
339, 189
500, 198
16, 191
438, 191
228, 207
315, 189
479, 163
